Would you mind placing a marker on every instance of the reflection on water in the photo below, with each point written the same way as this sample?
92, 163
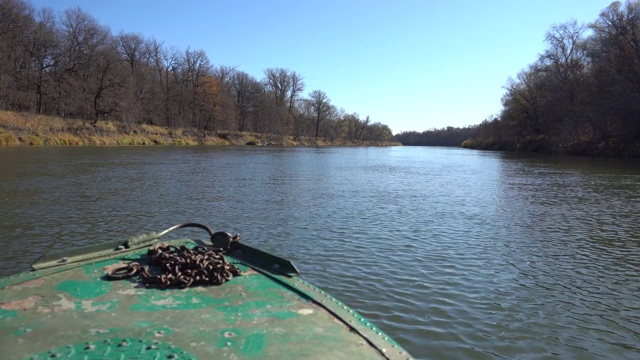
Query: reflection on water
455, 253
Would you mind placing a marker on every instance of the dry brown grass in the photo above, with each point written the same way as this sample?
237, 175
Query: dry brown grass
157, 140
106, 127
214, 140
155, 130
30, 129
11, 120
101, 141
33, 140
36, 124
7, 138
64, 139
181, 141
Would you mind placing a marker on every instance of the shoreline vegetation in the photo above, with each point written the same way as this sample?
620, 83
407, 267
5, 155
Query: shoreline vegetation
581, 96
66, 79
41, 130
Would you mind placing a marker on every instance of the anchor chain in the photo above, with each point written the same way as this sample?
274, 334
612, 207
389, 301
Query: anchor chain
180, 267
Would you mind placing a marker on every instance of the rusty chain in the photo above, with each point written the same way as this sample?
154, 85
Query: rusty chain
180, 267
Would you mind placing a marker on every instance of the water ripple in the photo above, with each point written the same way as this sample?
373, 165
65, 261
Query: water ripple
454, 253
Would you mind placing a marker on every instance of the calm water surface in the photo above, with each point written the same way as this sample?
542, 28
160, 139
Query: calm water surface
454, 253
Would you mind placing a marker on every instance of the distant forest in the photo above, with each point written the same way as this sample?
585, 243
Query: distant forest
69, 65
582, 94
448, 136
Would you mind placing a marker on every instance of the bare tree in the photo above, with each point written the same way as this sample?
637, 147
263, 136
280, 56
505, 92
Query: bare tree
278, 81
247, 91
297, 87
85, 65
194, 69
286, 87
363, 127
224, 74
565, 57
43, 50
16, 23
225, 99
565, 65
139, 89
267, 116
321, 106
160, 84
165, 63
615, 53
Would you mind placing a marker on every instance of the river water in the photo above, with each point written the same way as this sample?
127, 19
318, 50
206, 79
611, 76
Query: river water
454, 253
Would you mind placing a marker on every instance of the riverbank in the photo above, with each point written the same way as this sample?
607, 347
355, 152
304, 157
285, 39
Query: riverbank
545, 144
40, 130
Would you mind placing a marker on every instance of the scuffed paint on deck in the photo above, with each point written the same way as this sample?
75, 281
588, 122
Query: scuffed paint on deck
76, 312
85, 289
22, 304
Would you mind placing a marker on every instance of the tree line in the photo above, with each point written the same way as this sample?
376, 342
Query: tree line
69, 65
582, 94
448, 136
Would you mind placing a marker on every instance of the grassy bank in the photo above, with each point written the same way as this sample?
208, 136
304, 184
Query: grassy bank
30, 129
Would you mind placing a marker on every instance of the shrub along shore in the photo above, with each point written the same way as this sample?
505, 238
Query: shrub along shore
30, 129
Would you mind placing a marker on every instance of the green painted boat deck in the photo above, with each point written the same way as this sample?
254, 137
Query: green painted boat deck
68, 309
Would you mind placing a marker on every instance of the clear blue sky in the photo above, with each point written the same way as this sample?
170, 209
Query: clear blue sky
413, 65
